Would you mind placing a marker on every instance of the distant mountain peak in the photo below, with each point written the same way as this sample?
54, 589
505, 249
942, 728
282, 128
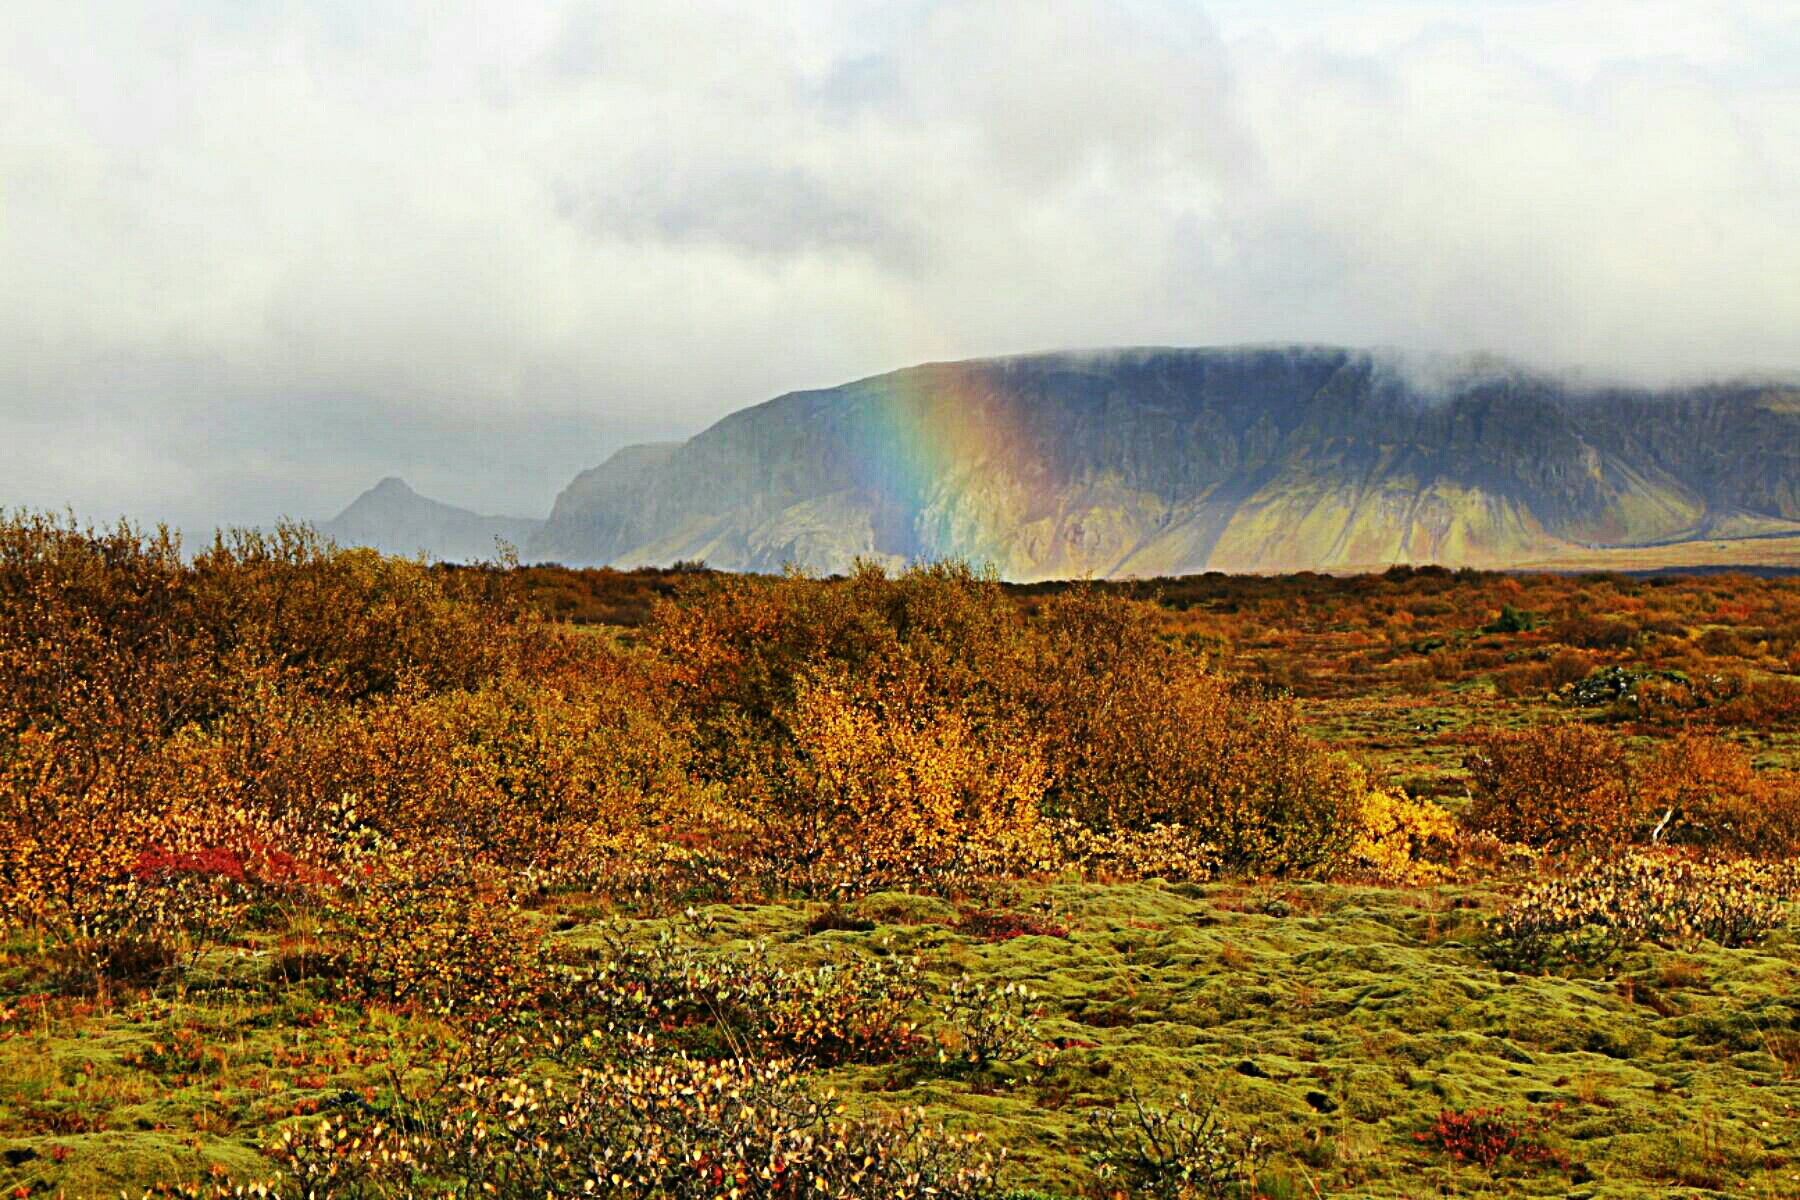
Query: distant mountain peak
393, 518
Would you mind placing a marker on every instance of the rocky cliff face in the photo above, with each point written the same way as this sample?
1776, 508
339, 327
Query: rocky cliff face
394, 519
1168, 461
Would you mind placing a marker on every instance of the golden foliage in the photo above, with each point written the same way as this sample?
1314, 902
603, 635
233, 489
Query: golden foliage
893, 792
1402, 840
1610, 904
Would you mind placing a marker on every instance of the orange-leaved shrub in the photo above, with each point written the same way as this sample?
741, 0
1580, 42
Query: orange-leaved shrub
1141, 734
1554, 785
1570, 785
180, 737
1704, 791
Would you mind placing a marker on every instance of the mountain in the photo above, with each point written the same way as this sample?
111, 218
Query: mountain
1166, 461
394, 519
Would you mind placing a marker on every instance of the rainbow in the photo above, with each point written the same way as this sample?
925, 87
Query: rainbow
915, 432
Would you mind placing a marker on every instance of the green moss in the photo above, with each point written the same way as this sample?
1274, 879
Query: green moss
1334, 1021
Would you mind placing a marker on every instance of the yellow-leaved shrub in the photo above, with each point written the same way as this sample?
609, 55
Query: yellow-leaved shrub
1402, 840
883, 788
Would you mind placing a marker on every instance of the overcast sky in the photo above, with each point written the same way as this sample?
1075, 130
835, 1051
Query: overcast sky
255, 255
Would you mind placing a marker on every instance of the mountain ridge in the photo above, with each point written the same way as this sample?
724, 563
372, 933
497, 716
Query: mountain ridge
1153, 460
1166, 460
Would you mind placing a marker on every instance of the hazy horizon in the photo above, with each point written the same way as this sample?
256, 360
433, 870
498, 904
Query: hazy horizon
262, 258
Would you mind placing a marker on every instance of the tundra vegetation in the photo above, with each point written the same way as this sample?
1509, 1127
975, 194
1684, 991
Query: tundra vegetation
324, 874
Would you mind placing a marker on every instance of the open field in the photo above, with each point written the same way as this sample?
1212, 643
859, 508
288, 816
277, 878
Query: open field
1336, 1021
332, 875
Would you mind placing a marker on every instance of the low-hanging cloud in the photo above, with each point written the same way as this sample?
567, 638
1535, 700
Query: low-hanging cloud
259, 256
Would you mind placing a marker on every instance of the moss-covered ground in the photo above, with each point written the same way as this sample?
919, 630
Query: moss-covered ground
1335, 1022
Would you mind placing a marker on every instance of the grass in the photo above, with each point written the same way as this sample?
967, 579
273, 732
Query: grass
1335, 1021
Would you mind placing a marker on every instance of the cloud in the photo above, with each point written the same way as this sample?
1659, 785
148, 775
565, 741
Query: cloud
259, 256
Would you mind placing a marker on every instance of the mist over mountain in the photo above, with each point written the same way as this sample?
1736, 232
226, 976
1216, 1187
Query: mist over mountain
394, 519
1165, 461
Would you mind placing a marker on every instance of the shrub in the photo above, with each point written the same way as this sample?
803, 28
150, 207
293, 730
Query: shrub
1554, 785
1703, 791
1612, 904
922, 720
1182, 748
439, 940
1182, 1153
1485, 1136
1398, 837
1595, 633
739, 653
507, 773
887, 789
1139, 735
670, 1127
128, 888
986, 1023
852, 1009
1171, 852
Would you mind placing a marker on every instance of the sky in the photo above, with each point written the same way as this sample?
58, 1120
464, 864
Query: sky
256, 256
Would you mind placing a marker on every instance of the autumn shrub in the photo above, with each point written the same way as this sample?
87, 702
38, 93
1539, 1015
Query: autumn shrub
1235, 768
894, 787
348, 624
1708, 695
113, 640
740, 652
1161, 851
1595, 633
185, 713
711, 1001
870, 726
1486, 1136
694, 854
923, 720
670, 1126
1564, 668
1761, 704
1517, 682
1187, 1152
435, 939
1703, 791
1401, 840
1610, 905
984, 1023
1139, 735
1554, 785
509, 772
130, 885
